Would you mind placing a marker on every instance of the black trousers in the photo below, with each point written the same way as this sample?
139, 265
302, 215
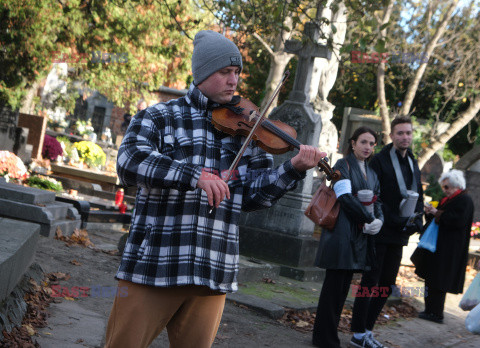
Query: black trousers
330, 304
434, 300
384, 274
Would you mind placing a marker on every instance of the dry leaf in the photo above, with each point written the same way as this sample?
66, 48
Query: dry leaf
301, 323
75, 262
58, 233
31, 331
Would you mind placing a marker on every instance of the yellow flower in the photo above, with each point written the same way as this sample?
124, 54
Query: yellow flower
434, 204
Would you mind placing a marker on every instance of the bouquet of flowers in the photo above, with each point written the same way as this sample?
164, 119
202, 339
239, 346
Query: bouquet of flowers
91, 153
12, 167
51, 148
84, 128
475, 230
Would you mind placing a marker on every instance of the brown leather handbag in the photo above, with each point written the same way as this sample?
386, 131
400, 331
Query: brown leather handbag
323, 208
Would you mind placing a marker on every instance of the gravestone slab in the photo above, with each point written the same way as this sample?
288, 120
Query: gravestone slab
18, 240
39, 206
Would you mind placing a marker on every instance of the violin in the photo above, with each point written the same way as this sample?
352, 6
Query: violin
273, 136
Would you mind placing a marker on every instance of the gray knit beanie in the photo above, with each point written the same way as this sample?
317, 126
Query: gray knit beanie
211, 52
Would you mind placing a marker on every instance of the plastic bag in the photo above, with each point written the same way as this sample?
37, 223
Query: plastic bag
471, 298
472, 322
429, 238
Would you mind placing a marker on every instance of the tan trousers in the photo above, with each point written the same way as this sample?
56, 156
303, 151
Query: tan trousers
190, 313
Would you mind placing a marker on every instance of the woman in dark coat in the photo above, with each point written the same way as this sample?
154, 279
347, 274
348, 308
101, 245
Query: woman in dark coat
444, 270
349, 247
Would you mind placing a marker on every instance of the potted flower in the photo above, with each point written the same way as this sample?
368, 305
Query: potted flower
91, 153
84, 128
57, 125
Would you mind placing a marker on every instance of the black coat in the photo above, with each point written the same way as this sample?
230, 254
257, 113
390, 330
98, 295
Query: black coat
445, 268
346, 246
392, 229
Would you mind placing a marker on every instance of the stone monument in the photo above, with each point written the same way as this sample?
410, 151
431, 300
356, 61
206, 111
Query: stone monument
354, 118
282, 233
54, 88
325, 75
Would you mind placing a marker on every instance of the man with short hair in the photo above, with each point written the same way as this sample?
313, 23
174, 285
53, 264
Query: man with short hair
398, 173
181, 257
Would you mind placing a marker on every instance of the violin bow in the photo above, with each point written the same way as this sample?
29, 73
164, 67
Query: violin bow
259, 121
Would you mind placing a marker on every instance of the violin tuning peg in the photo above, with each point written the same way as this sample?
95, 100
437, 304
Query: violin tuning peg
326, 159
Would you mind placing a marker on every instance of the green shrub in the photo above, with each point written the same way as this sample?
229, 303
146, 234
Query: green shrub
44, 183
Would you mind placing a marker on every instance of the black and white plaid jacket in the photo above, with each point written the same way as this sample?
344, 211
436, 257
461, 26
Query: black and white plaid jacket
173, 239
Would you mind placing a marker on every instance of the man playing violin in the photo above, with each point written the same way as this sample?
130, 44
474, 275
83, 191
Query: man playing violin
181, 257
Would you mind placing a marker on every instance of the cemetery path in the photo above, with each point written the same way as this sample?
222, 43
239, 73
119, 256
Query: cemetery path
78, 321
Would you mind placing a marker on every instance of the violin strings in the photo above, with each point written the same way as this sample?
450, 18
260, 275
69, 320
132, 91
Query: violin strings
274, 129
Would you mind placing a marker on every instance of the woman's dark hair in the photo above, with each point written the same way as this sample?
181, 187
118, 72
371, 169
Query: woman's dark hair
359, 131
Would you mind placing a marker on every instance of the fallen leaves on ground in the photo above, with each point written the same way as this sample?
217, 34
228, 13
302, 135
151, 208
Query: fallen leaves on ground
37, 300
78, 237
56, 276
303, 320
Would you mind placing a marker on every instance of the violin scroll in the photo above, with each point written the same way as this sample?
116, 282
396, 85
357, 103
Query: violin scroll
329, 172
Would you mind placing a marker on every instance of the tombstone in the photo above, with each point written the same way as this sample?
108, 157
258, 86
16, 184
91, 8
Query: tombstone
12, 137
99, 111
37, 126
282, 233
434, 166
470, 164
354, 118
8, 125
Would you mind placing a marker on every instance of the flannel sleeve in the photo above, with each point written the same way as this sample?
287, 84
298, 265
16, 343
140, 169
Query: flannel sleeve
140, 160
268, 185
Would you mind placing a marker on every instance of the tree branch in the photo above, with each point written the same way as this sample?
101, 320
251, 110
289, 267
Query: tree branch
413, 86
382, 100
438, 142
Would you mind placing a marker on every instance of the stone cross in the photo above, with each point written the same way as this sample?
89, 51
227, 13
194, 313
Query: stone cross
282, 233
307, 52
